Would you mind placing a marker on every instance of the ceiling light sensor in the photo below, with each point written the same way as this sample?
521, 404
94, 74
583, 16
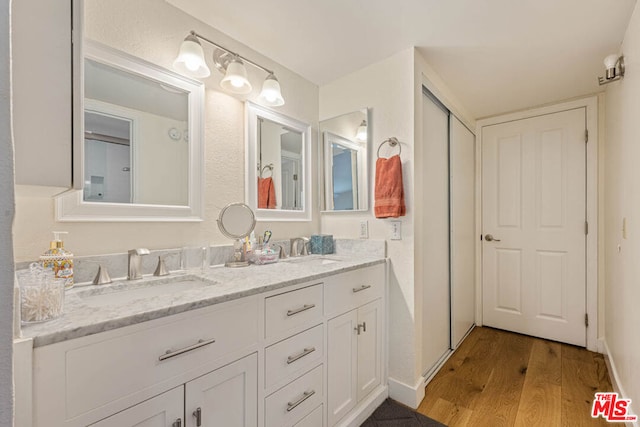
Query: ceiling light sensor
229, 63
614, 65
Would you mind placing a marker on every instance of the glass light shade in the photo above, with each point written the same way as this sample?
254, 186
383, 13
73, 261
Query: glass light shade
190, 58
610, 61
271, 94
361, 134
235, 80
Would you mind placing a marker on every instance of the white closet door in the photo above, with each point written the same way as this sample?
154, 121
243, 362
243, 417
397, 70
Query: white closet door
436, 316
463, 239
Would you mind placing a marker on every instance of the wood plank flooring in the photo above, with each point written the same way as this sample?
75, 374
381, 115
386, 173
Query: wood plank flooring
497, 378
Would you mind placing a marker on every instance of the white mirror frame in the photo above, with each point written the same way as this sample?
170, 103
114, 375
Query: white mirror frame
70, 206
328, 139
253, 113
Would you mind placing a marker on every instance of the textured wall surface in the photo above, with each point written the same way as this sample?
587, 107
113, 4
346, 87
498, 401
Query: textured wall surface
6, 220
622, 200
153, 30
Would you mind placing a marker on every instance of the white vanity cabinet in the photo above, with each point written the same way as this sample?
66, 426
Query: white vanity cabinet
81, 381
354, 342
224, 397
307, 355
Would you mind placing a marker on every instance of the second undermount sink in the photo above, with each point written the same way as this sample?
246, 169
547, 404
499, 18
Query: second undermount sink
313, 260
126, 292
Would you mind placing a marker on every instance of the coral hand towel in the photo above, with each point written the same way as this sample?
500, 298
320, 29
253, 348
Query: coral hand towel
389, 192
266, 193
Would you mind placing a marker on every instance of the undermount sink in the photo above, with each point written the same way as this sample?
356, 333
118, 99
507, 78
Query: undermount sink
125, 292
311, 259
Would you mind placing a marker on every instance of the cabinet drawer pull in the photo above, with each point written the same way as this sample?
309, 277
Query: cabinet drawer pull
301, 309
177, 423
169, 354
292, 405
361, 288
304, 352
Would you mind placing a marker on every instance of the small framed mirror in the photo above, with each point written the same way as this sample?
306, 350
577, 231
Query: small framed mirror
345, 145
278, 185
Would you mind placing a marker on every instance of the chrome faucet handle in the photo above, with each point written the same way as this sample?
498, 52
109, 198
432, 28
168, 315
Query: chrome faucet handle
102, 276
139, 251
295, 250
281, 254
161, 269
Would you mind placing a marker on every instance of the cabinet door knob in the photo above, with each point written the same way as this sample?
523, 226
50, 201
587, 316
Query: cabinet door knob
198, 414
177, 423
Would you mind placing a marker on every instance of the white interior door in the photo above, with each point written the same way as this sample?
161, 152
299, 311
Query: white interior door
463, 230
436, 318
534, 204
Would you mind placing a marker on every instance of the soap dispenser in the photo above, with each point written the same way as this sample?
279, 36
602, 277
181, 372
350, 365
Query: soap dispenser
59, 260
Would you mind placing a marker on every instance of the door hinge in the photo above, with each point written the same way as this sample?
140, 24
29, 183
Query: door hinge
586, 227
586, 320
586, 135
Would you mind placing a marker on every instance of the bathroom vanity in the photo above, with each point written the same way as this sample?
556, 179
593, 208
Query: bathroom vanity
297, 343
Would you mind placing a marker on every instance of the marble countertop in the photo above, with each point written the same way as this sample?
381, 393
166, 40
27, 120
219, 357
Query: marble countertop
93, 309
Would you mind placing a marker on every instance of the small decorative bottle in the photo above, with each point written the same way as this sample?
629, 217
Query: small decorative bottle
59, 260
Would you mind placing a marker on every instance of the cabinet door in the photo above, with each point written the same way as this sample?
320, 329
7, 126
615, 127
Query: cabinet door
342, 359
369, 348
164, 410
225, 397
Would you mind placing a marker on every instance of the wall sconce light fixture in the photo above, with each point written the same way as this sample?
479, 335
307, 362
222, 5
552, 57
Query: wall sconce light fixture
615, 69
361, 133
191, 61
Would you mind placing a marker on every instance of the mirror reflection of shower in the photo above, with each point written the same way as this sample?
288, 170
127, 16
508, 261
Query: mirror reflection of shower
107, 158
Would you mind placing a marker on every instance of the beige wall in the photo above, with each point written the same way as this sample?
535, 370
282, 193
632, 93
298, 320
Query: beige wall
6, 219
156, 38
622, 200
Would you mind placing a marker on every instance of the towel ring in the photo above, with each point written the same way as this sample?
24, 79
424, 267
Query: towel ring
269, 166
393, 141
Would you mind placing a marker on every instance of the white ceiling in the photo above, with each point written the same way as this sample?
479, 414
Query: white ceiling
495, 55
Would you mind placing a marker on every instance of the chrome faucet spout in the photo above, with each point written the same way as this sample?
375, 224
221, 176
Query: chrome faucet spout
135, 261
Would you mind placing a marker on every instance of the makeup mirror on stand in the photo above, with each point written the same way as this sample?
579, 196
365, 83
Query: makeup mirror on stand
237, 221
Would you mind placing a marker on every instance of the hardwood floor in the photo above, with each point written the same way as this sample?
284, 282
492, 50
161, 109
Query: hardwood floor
497, 378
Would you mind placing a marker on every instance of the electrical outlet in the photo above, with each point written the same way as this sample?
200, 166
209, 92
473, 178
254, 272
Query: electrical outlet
364, 229
395, 230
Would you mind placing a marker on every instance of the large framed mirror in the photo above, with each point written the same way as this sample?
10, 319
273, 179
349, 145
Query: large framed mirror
278, 166
345, 150
137, 144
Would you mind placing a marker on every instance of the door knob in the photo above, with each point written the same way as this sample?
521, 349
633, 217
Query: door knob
489, 238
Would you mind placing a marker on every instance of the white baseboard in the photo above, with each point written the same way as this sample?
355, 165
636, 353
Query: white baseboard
410, 396
365, 408
615, 380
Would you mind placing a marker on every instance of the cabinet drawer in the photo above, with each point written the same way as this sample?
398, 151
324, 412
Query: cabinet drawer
104, 372
293, 311
293, 402
350, 290
293, 355
314, 419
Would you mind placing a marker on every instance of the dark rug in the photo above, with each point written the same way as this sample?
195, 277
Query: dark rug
394, 414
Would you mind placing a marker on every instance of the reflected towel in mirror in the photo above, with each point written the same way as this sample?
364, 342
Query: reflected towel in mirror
389, 190
266, 193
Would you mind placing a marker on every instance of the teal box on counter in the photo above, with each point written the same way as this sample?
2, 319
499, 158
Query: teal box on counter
322, 244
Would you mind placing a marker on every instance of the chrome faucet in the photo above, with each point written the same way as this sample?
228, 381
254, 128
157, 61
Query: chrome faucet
295, 250
135, 259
